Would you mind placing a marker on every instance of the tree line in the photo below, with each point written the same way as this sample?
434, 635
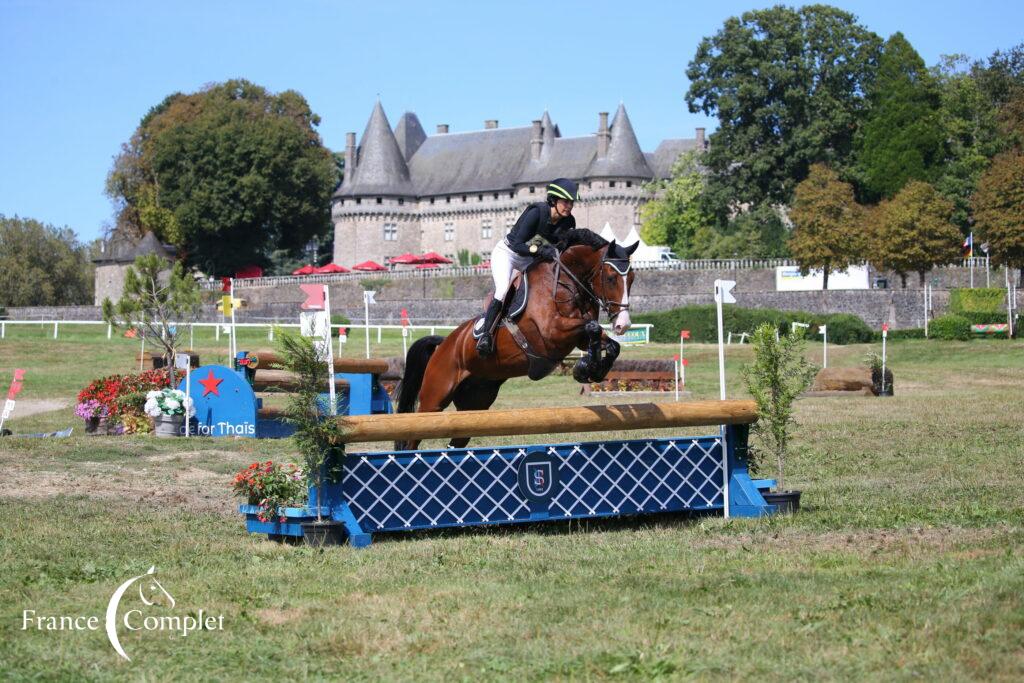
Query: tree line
835, 146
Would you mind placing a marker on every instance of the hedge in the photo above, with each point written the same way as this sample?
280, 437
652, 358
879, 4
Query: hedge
983, 300
702, 323
950, 327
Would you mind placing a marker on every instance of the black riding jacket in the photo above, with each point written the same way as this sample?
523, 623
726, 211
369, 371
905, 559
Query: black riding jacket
536, 220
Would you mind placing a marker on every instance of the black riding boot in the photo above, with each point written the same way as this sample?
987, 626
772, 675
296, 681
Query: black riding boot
485, 345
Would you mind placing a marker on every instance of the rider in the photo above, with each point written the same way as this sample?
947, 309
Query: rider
552, 222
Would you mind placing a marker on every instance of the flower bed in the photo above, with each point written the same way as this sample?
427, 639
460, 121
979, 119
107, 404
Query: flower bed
119, 400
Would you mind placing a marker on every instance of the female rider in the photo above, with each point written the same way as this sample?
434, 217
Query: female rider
553, 222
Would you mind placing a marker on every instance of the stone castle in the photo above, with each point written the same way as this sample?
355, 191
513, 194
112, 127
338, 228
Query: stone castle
405, 191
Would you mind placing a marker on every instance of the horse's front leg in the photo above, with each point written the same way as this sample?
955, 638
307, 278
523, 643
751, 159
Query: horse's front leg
583, 371
604, 363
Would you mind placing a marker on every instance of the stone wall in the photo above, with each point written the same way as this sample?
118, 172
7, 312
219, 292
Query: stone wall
447, 300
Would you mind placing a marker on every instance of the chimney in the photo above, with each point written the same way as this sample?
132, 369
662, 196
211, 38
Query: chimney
442, 128
490, 124
603, 136
350, 153
536, 142
701, 144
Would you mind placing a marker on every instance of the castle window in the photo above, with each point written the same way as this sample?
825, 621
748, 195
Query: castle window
463, 197
447, 200
532, 189
479, 197
509, 224
485, 229
401, 201
379, 200
390, 232
611, 183
359, 201
449, 232
511, 195
495, 195
629, 183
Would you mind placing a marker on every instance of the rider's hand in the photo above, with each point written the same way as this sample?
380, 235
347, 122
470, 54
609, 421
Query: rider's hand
546, 253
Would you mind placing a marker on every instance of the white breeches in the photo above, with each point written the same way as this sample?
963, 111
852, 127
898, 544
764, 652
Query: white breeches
503, 262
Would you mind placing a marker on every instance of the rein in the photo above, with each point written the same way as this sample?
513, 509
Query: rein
602, 302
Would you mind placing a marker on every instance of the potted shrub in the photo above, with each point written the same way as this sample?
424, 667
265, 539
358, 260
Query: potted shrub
315, 434
168, 408
95, 415
874, 362
779, 374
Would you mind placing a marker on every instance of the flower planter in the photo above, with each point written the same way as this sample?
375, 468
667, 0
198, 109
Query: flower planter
323, 533
788, 501
166, 426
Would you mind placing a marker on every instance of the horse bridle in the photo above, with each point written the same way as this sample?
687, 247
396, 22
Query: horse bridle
601, 301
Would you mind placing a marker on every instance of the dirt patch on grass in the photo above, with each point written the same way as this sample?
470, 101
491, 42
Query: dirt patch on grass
34, 406
277, 617
192, 489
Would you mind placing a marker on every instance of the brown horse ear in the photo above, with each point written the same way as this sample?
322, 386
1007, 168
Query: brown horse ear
631, 249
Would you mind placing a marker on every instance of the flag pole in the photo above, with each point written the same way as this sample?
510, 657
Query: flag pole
330, 354
234, 340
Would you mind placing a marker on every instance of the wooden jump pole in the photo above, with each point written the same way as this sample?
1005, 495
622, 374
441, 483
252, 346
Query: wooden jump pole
376, 366
282, 380
521, 421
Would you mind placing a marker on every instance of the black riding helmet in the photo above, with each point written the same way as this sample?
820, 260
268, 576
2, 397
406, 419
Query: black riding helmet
563, 188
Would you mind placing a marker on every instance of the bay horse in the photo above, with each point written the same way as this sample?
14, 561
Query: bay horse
566, 297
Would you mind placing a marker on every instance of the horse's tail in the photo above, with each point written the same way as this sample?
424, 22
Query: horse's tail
415, 365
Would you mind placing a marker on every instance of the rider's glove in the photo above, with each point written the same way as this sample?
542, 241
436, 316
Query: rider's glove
546, 253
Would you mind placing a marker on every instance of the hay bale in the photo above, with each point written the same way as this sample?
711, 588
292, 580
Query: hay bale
843, 379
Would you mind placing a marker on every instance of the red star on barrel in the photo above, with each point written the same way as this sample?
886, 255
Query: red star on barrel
210, 384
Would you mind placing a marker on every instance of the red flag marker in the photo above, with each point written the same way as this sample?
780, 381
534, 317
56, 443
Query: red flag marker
405, 318
314, 297
225, 284
684, 334
686, 361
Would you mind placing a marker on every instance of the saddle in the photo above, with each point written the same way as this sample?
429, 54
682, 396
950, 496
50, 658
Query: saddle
515, 302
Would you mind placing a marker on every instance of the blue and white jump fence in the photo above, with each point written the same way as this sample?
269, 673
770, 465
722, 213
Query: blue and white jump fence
484, 485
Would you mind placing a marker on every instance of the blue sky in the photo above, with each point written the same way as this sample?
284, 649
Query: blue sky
76, 76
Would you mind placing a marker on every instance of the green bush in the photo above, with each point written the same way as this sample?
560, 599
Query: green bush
990, 300
909, 333
950, 327
701, 321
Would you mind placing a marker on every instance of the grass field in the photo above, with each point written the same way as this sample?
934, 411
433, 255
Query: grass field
906, 562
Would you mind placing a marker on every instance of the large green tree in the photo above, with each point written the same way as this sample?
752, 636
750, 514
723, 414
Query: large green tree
902, 137
827, 223
971, 131
913, 232
999, 209
42, 265
787, 86
228, 175
676, 214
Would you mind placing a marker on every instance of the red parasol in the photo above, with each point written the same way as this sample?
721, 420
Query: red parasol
304, 270
433, 257
368, 265
331, 268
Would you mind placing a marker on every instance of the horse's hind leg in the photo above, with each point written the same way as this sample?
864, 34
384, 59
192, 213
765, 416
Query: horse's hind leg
474, 393
440, 381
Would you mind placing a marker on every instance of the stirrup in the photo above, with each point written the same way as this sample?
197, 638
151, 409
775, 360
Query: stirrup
485, 344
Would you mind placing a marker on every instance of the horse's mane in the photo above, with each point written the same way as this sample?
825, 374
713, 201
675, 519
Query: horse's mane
582, 236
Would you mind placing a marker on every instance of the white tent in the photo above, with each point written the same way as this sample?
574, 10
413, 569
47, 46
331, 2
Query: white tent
634, 236
606, 232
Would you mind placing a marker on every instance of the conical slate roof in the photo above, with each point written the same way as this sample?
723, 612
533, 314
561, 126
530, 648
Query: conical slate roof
625, 159
410, 134
381, 167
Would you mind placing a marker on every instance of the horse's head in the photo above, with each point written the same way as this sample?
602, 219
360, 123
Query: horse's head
611, 281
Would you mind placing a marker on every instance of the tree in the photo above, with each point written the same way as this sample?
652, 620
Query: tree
42, 265
902, 135
970, 128
787, 86
228, 175
676, 214
826, 223
913, 232
999, 209
156, 302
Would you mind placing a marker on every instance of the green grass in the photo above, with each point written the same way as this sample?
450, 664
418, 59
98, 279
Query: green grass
906, 562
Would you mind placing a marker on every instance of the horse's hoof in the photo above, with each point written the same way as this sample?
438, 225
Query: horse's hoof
581, 372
